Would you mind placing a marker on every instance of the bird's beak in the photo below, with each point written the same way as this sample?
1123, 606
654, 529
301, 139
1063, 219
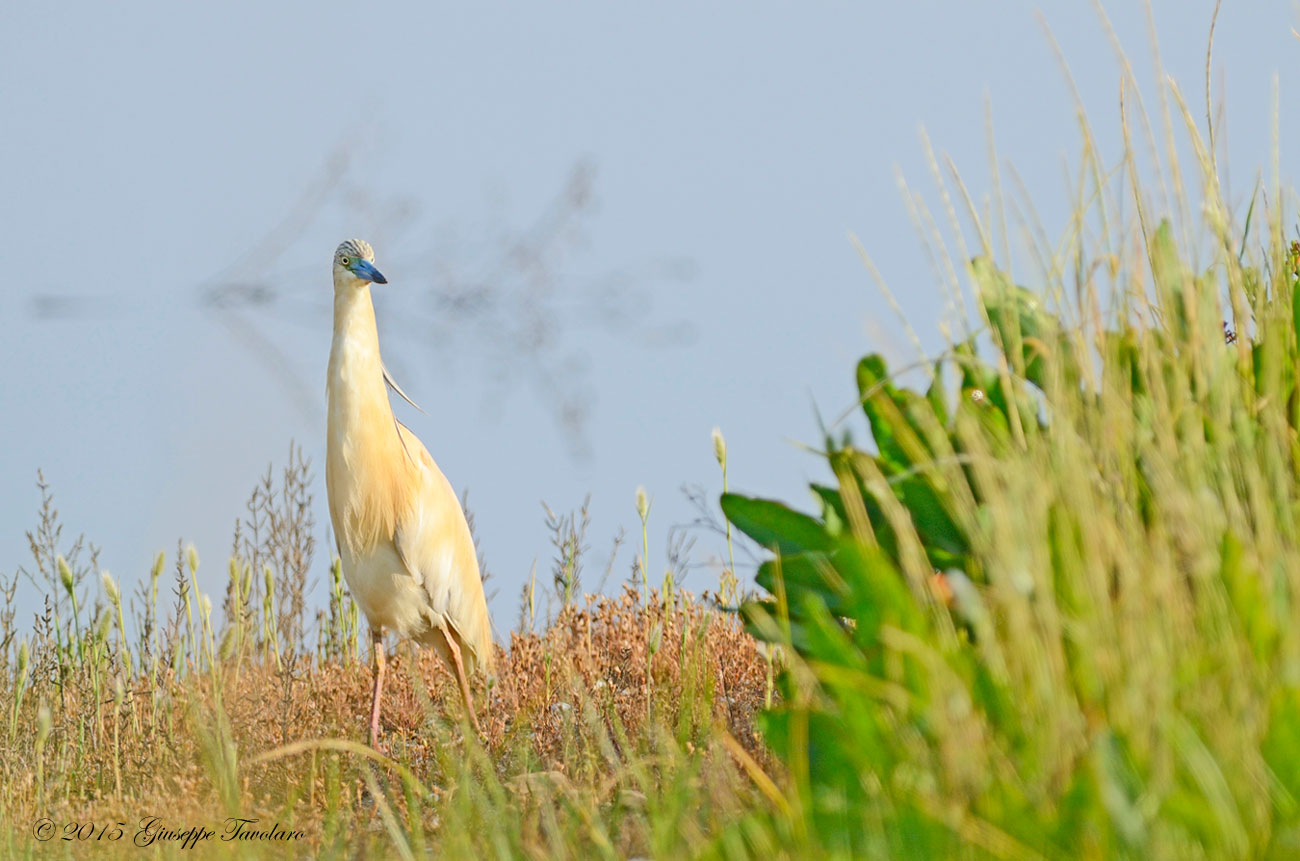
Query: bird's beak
366, 270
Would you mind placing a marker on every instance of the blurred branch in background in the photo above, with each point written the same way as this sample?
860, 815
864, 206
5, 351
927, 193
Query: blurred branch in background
511, 303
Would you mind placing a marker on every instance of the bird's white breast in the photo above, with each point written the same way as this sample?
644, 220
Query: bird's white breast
390, 595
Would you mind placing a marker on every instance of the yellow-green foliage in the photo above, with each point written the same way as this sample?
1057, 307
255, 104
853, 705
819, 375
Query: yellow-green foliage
1053, 610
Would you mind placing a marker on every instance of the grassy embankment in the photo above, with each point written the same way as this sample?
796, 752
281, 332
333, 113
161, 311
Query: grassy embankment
1107, 662
625, 726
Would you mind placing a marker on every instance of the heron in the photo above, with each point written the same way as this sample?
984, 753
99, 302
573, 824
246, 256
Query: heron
407, 552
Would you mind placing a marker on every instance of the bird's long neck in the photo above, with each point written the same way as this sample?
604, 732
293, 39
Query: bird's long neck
356, 375
365, 460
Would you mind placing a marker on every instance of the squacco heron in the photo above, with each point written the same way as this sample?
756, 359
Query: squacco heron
407, 552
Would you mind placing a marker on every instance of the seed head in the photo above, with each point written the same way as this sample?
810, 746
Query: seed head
719, 447
110, 588
65, 573
44, 724
227, 648
102, 626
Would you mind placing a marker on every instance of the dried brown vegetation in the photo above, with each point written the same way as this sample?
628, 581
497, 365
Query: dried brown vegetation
626, 725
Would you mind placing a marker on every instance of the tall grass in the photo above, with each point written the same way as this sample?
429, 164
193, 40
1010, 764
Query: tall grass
1053, 608
599, 738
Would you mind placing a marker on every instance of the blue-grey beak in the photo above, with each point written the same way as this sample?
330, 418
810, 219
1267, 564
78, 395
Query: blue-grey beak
365, 269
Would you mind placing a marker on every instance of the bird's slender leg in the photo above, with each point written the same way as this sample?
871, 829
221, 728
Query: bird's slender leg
377, 651
460, 677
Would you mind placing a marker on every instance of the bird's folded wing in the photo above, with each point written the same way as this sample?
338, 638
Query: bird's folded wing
435, 545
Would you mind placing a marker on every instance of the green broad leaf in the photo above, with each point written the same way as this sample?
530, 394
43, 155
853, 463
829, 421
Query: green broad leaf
776, 526
829, 637
1027, 332
921, 419
763, 622
930, 516
944, 544
876, 593
981, 387
854, 582
998, 292
806, 573
831, 501
879, 403
902, 421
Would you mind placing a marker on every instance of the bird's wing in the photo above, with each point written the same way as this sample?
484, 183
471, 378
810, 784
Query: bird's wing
434, 543
392, 384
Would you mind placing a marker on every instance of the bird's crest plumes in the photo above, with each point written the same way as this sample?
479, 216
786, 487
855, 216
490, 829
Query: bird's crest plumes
355, 248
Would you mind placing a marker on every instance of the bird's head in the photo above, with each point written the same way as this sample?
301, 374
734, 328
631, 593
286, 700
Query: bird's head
354, 264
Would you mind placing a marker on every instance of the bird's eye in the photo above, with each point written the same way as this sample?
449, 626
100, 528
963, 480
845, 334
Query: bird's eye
344, 261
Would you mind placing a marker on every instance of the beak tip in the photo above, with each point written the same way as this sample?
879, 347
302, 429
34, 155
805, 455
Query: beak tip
366, 270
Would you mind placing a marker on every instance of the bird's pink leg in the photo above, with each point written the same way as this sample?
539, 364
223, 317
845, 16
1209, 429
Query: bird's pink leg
460, 677
377, 651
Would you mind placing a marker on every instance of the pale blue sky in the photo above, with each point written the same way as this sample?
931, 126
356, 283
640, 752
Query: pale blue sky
149, 148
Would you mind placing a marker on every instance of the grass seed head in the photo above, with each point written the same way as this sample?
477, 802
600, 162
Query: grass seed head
65, 574
110, 589
44, 723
